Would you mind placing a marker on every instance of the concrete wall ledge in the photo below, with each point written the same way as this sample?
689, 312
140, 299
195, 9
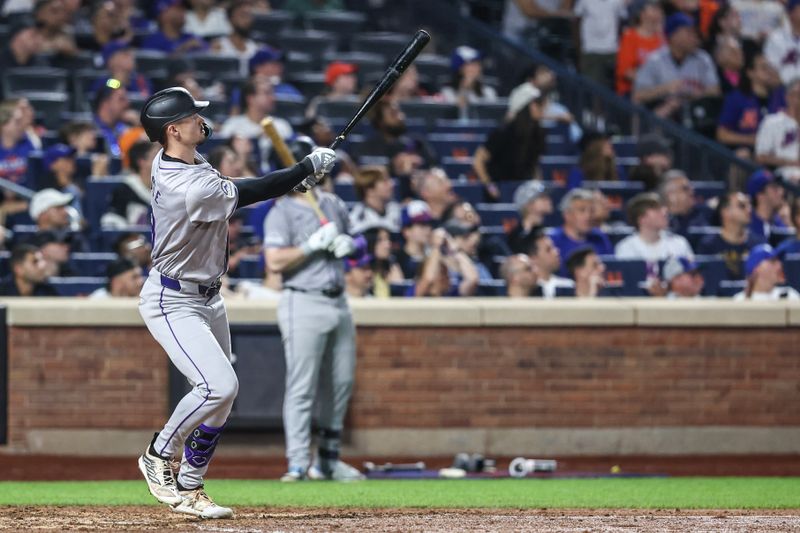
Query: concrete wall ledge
446, 312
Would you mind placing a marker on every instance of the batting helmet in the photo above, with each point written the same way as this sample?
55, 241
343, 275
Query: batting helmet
301, 146
166, 107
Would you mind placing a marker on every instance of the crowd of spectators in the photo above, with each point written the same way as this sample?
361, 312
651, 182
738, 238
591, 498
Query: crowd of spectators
423, 238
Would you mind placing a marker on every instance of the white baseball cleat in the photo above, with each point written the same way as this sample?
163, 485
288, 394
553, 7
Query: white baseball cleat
340, 471
160, 478
197, 503
295, 473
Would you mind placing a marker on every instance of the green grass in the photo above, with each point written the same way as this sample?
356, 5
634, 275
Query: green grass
648, 493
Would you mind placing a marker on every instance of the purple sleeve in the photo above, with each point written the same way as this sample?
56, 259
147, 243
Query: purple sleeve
731, 111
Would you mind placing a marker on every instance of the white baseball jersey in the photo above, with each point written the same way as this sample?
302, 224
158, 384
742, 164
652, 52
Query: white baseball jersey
782, 50
600, 24
779, 136
668, 245
191, 206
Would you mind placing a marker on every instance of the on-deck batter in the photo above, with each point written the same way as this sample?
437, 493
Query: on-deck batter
180, 302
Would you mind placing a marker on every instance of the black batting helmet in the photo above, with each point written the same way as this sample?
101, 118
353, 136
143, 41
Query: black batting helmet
301, 146
166, 107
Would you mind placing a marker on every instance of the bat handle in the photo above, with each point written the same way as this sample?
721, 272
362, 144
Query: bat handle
337, 142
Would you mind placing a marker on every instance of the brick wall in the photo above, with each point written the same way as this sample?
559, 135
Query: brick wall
116, 377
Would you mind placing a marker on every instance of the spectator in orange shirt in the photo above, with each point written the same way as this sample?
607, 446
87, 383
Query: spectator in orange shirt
637, 43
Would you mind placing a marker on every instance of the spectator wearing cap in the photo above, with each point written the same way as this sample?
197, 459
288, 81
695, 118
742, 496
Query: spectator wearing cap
268, 63
341, 83
599, 22
358, 277
597, 162
767, 195
111, 105
651, 242
512, 151
417, 224
682, 278
60, 160
130, 200
467, 85
447, 270
53, 18
236, 40
124, 280
51, 211
778, 138
170, 37
541, 78
734, 240
23, 45
638, 42
533, 203
406, 152
206, 20
520, 276
745, 108
467, 238
28, 277
120, 62
764, 274
55, 251
258, 96
546, 259
782, 46
577, 231
385, 269
15, 147
376, 205
677, 72
587, 270
134, 247
684, 211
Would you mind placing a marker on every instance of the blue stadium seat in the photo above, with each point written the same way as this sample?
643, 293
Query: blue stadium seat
433, 69
489, 110
429, 111
791, 268
49, 106
295, 63
456, 144
338, 109
24, 80
624, 276
108, 237
481, 127
697, 233
345, 191
310, 83
312, 42
344, 23
289, 107
471, 192
91, 264
617, 233
495, 287
457, 168
215, 64
625, 146
251, 267
77, 286
97, 197
729, 287
402, 288
497, 214
5, 255
387, 44
714, 272
267, 25
708, 189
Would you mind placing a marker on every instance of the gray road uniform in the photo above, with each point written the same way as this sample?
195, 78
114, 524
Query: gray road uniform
317, 329
181, 305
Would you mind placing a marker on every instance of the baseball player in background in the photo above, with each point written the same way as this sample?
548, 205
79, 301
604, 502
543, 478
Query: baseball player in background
317, 329
180, 301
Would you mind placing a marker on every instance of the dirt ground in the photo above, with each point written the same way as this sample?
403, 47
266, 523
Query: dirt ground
253, 520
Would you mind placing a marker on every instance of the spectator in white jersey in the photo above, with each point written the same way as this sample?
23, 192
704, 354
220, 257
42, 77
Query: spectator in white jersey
652, 242
376, 205
782, 47
678, 71
204, 19
778, 137
236, 40
765, 277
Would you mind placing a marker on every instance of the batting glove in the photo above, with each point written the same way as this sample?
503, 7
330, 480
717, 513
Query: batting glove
342, 246
321, 239
323, 160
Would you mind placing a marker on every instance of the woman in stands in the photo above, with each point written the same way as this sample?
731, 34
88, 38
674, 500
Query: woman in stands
598, 162
468, 86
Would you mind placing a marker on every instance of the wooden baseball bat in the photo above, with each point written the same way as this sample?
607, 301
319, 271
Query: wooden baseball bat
395, 70
287, 158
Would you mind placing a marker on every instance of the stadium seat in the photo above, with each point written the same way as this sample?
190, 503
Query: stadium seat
215, 64
429, 111
456, 144
387, 44
338, 109
20, 81
345, 191
251, 267
92, 264
312, 42
729, 287
5, 269
480, 127
267, 25
96, 198
433, 69
370, 66
151, 62
708, 189
457, 168
108, 237
497, 214
403, 288
82, 81
297, 62
289, 107
495, 287
624, 276
697, 233
471, 192
791, 269
49, 107
343, 23
309, 83
77, 286
489, 110
714, 272
617, 233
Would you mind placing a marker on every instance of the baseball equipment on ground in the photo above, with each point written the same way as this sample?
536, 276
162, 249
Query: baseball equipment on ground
395, 70
338, 471
322, 239
419, 466
342, 246
521, 467
168, 106
197, 503
288, 159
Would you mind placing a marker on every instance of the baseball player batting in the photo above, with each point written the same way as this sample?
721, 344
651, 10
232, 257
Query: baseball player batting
180, 301
316, 327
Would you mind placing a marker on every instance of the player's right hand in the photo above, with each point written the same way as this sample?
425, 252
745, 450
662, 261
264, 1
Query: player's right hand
323, 237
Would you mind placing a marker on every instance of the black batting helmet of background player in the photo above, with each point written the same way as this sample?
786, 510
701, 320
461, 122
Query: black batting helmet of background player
168, 106
301, 146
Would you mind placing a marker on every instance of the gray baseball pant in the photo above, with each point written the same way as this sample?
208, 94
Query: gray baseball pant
194, 332
319, 345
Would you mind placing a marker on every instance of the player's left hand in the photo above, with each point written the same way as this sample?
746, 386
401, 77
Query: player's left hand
342, 246
323, 160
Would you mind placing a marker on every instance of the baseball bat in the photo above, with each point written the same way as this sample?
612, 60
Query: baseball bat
395, 70
287, 158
